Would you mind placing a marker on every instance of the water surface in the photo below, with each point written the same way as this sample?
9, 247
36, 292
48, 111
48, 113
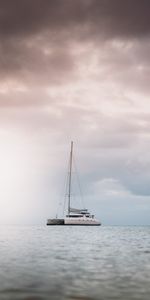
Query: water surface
76, 263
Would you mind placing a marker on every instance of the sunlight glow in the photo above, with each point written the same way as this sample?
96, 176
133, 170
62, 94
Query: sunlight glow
13, 172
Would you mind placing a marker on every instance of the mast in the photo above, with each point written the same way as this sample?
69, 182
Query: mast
70, 174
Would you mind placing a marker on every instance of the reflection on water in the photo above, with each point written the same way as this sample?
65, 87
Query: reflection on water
76, 263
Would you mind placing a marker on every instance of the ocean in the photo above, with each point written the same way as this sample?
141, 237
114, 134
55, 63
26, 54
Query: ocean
74, 263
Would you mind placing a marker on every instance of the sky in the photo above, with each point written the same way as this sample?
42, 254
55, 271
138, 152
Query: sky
75, 70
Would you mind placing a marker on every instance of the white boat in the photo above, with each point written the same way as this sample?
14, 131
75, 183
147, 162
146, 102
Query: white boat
77, 216
74, 216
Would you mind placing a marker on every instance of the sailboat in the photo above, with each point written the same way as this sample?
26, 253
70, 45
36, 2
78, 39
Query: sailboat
74, 216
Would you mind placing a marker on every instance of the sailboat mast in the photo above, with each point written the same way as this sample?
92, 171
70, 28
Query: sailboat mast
70, 174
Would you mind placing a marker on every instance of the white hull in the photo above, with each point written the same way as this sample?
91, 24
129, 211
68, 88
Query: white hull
81, 221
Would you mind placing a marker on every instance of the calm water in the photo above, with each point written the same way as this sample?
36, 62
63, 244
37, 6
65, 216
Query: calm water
74, 263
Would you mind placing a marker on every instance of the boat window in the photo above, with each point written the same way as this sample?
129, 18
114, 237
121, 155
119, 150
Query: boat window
74, 216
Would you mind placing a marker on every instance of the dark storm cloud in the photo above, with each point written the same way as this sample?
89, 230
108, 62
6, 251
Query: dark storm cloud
29, 27
130, 17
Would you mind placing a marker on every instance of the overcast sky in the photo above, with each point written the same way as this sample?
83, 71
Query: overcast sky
75, 70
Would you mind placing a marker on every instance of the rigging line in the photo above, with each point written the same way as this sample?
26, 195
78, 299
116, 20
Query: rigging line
78, 181
66, 187
63, 192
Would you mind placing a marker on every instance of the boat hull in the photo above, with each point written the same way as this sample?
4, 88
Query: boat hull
52, 222
55, 222
69, 221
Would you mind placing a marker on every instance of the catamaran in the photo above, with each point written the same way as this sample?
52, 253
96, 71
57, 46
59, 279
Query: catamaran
74, 216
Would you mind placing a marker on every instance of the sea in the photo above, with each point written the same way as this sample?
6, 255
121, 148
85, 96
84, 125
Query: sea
74, 263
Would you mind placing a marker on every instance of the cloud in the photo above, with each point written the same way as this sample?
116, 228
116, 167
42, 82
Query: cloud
37, 38
33, 16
